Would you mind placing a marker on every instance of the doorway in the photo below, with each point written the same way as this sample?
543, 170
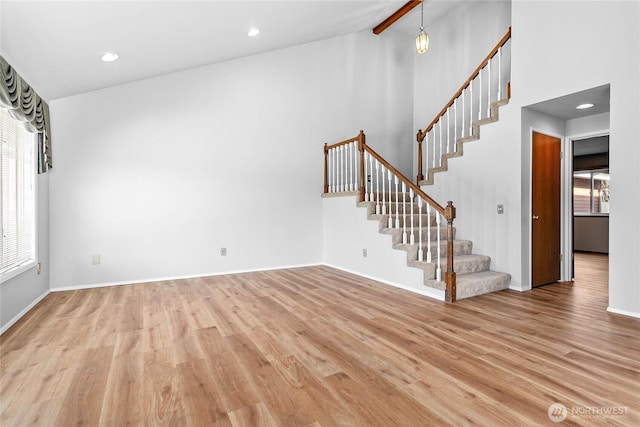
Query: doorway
545, 207
590, 198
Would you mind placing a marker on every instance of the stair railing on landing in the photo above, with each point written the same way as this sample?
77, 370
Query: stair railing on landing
488, 84
352, 166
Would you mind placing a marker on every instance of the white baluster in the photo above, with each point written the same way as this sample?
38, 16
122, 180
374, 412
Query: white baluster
333, 170
480, 95
441, 148
463, 125
433, 143
489, 89
384, 206
329, 171
356, 168
390, 202
470, 106
345, 177
365, 184
370, 178
412, 238
420, 251
428, 233
455, 124
337, 172
347, 169
377, 187
353, 166
340, 168
438, 268
499, 73
448, 130
404, 214
397, 210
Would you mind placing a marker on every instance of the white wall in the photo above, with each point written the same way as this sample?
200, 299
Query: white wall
548, 69
347, 231
21, 293
596, 123
551, 58
156, 176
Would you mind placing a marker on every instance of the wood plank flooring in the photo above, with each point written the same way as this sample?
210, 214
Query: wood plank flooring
319, 347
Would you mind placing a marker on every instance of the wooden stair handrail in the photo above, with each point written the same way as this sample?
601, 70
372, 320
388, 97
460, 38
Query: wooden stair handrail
345, 142
475, 73
407, 181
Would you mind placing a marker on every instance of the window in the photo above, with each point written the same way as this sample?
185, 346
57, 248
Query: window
18, 185
591, 192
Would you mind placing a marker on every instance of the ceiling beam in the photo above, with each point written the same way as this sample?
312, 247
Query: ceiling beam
396, 15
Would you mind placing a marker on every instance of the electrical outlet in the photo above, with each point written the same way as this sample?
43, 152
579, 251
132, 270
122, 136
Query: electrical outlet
223, 251
95, 260
364, 253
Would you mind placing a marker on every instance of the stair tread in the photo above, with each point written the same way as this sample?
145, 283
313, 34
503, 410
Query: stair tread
477, 283
464, 279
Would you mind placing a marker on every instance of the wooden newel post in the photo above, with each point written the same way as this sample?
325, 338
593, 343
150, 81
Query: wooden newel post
361, 144
326, 169
450, 275
419, 138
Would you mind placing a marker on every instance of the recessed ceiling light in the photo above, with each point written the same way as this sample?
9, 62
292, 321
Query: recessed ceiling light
109, 57
253, 32
584, 106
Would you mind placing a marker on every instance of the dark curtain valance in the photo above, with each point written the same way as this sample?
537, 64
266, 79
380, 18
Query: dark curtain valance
25, 105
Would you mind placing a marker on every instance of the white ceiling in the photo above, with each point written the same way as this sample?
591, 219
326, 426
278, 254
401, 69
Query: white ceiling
55, 45
564, 107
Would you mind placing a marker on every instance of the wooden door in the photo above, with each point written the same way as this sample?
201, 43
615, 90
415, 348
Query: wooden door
545, 209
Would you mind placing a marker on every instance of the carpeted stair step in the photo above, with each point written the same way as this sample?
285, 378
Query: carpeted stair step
462, 264
472, 271
473, 284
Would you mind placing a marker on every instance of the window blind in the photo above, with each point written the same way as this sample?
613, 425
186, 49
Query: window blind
18, 211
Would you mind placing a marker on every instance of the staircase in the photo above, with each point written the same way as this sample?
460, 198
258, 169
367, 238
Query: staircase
476, 103
415, 222
474, 276
457, 152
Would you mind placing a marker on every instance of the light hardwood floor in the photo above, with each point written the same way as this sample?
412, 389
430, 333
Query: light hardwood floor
319, 347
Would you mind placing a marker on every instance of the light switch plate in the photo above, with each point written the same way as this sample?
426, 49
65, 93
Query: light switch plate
500, 209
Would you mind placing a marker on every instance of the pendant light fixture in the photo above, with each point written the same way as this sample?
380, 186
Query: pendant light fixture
422, 39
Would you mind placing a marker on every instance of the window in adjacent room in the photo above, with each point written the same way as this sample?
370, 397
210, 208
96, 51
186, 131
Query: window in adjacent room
18, 185
591, 192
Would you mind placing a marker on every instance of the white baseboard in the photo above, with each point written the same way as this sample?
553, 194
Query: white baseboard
17, 317
623, 312
162, 279
435, 293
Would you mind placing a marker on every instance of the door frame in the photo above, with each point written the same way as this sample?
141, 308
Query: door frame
563, 202
566, 214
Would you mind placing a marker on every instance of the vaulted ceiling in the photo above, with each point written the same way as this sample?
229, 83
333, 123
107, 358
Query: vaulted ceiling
55, 45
